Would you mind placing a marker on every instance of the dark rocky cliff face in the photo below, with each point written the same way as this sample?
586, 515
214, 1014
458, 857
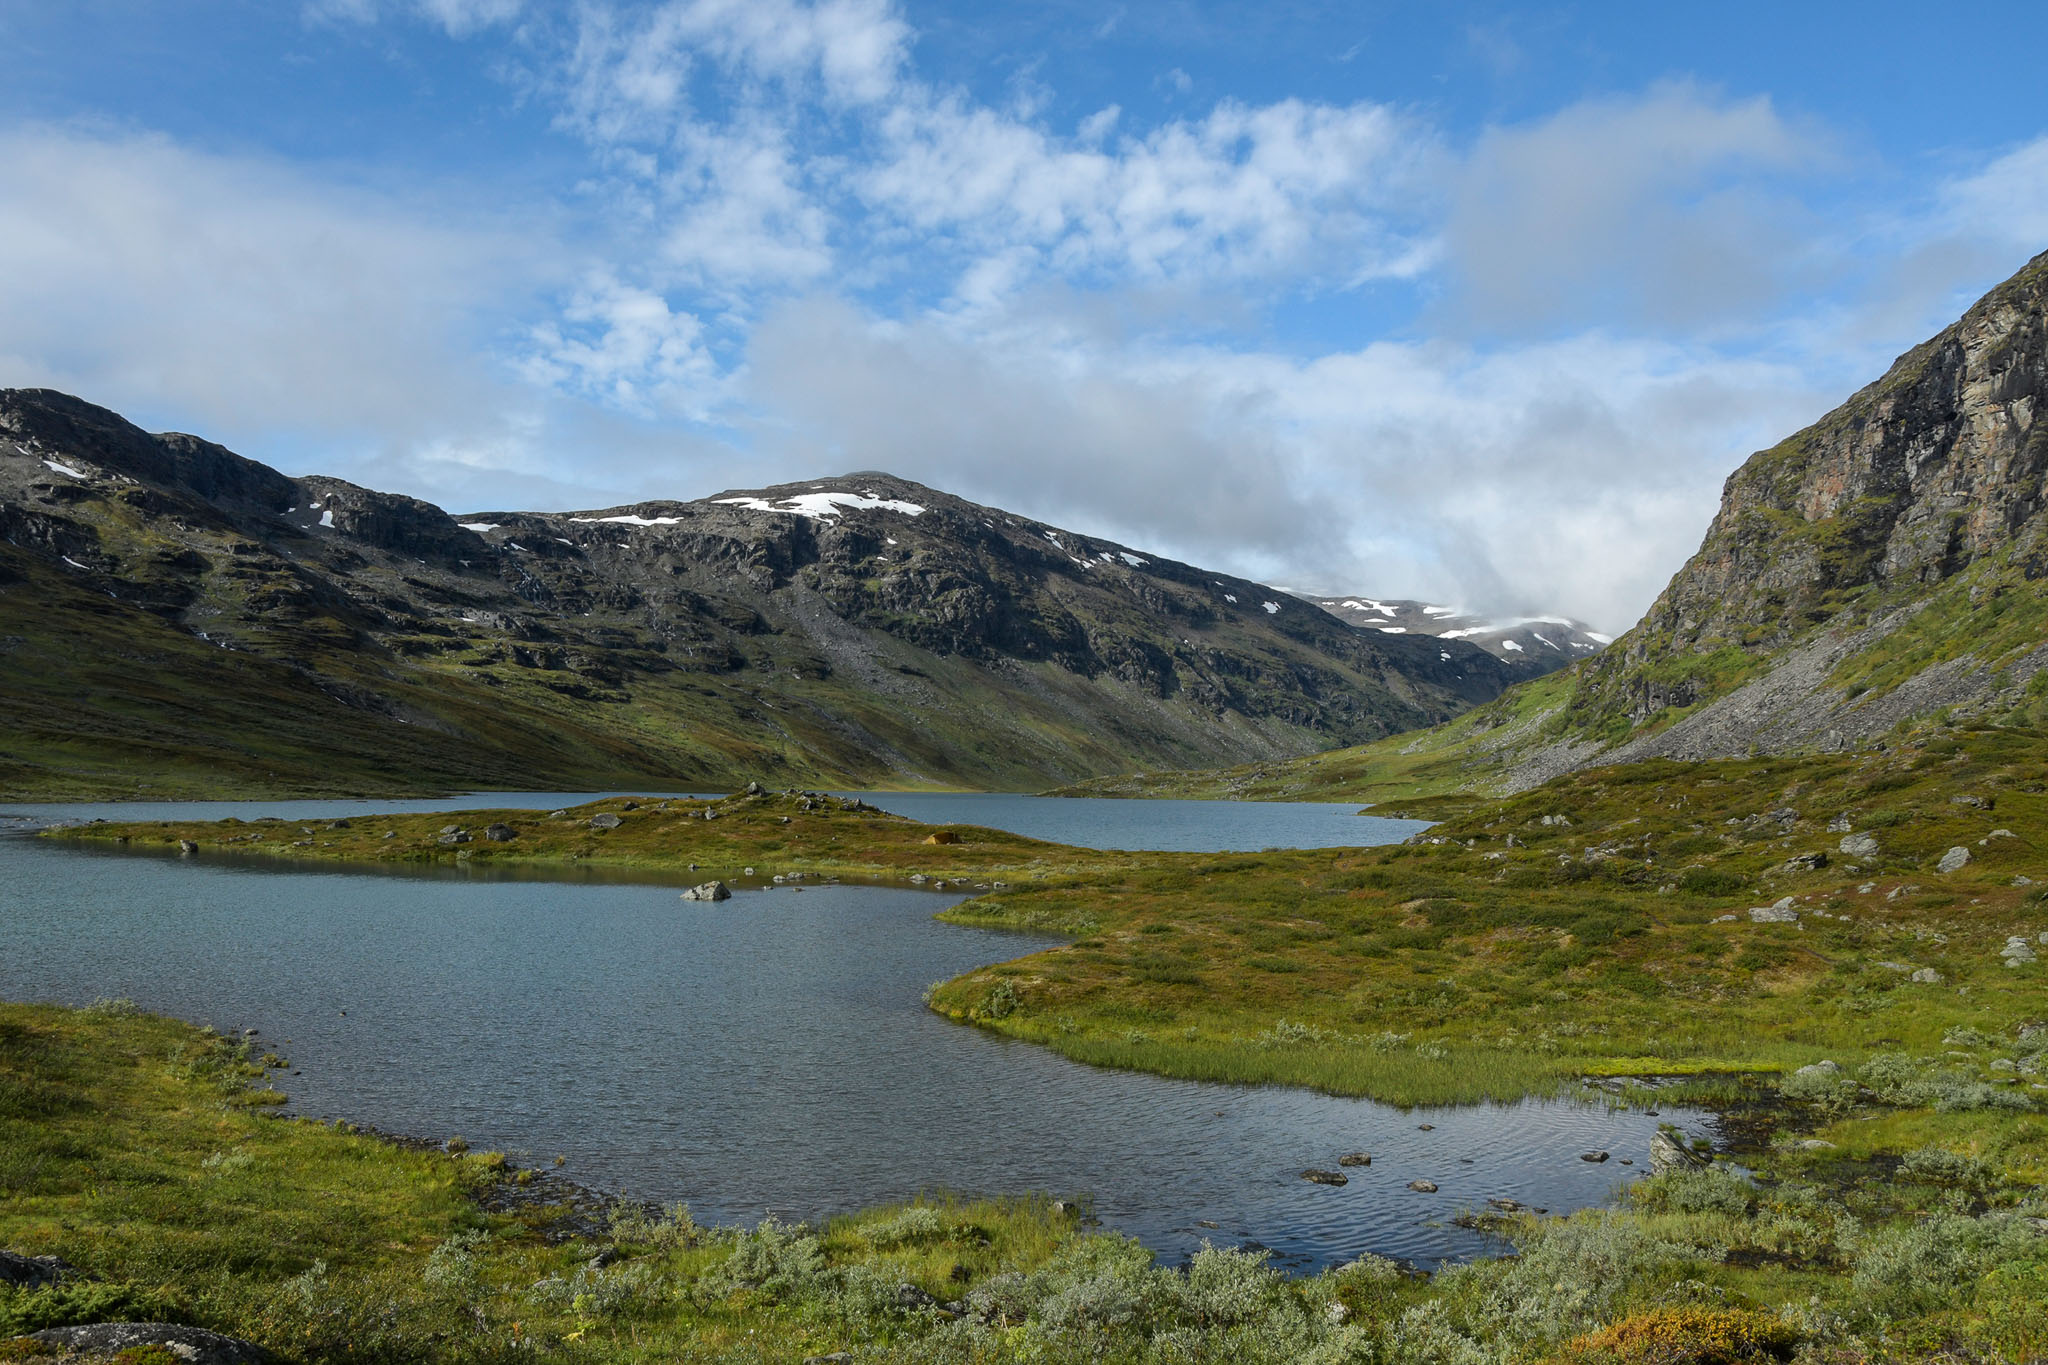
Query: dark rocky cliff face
856, 629
1880, 564
1923, 473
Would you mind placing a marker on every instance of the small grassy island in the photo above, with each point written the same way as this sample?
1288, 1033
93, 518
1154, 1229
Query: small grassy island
1841, 947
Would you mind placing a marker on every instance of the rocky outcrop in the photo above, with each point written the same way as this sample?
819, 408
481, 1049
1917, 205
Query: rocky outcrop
33, 1272
106, 1340
1836, 592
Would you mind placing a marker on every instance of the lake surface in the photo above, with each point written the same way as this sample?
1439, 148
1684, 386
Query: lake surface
766, 1054
1171, 826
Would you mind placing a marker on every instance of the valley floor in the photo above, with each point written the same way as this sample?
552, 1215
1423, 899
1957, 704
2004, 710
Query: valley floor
1849, 941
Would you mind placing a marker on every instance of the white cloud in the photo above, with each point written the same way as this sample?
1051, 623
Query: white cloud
1246, 192
139, 271
2006, 202
1673, 209
1562, 476
459, 17
625, 348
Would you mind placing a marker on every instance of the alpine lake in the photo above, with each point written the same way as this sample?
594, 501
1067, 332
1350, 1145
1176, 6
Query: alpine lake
770, 1053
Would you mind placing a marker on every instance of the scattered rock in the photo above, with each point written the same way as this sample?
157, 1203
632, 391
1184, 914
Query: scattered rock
2017, 951
1976, 802
1955, 860
33, 1272
1841, 824
1806, 862
1667, 1153
451, 829
1927, 976
500, 834
1422, 1186
1315, 1177
709, 891
1556, 821
1425, 1127
1821, 1068
1506, 1205
910, 1298
753, 789
1355, 1159
918, 879
1592, 1156
1816, 1145
193, 1345
459, 837
606, 820
455, 1146
1858, 846
1780, 913
942, 836
389, 834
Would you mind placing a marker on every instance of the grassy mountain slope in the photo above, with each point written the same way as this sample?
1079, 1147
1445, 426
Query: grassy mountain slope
177, 619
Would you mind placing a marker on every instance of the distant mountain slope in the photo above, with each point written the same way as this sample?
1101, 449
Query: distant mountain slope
175, 614
1550, 642
1886, 564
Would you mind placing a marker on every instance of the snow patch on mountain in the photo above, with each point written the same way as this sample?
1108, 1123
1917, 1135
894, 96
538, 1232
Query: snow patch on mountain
823, 506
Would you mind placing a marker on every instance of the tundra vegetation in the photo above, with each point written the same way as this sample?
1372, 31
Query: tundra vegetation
1727, 927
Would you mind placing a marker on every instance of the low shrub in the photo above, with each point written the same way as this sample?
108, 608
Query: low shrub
1686, 1336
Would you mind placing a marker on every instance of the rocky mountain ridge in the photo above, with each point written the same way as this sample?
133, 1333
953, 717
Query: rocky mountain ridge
855, 630
1551, 642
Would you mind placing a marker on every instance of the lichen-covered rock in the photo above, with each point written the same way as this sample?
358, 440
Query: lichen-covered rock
194, 1345
1955, 860
1858, 846
709, 891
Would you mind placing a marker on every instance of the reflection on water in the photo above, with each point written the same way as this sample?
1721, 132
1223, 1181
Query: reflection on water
768, 1053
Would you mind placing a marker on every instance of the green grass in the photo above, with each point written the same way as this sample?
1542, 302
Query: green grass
773, 833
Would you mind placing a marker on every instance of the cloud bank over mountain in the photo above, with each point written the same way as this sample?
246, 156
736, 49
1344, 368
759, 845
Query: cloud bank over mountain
1362, 343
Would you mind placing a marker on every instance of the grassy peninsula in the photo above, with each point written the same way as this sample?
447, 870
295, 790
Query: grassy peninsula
144, 1153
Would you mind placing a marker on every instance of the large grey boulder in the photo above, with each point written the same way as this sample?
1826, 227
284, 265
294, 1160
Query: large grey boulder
604, 820
709, 891
1858, 845
194, 1345
1955, 860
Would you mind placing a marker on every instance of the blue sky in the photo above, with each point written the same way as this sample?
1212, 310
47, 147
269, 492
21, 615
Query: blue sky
1476, 302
